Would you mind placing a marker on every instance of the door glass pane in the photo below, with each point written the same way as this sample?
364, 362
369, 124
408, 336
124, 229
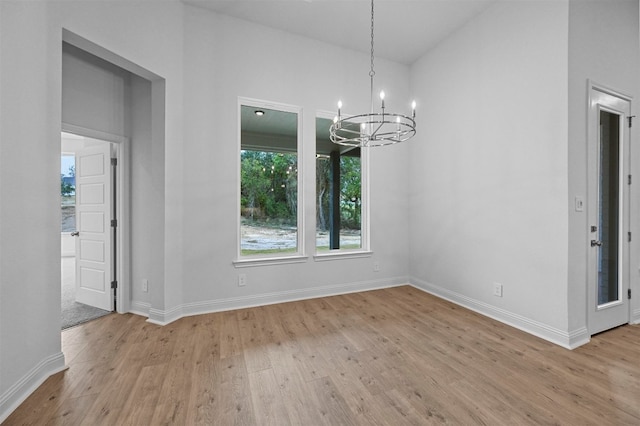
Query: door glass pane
68, 192
609, 208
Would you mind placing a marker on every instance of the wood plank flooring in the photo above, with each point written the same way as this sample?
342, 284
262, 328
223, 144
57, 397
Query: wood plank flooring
387, 357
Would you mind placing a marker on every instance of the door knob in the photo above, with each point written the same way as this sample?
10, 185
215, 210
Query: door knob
75, 233
596, 243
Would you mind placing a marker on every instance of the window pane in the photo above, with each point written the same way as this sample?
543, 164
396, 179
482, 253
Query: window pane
609, 208
68, 192
269, 181
338, 193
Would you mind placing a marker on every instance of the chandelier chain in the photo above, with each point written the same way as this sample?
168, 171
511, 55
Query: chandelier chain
372, 72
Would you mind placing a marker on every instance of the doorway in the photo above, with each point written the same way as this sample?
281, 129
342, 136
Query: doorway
89, 227
608, 206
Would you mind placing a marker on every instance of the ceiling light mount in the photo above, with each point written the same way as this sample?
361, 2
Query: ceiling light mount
376, 128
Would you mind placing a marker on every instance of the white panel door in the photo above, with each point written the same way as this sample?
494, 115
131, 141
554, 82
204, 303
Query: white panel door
93, 225
608, 241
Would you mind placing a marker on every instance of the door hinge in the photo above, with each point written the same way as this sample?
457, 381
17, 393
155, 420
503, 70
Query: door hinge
114, 284
628, 293
629, 180
114, 223
629, 236
114, 161
630, 119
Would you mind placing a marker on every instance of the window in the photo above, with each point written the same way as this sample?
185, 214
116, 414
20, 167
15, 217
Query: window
269, 181
339, 194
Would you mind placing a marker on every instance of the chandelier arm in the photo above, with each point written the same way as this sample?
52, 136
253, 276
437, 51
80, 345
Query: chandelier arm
375, 132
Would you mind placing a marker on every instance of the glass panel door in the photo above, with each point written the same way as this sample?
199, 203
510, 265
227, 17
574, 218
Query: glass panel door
609, 209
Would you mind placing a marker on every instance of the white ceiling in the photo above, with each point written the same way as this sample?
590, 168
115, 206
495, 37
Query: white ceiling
404, 29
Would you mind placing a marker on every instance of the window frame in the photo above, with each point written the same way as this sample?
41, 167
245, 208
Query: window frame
280, 258
365, 245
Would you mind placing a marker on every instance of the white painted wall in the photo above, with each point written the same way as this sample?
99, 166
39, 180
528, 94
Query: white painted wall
129, 30
30, 83
191, 169
604, 47
226, 59
147, 198
29, 178
95, 93
488, 173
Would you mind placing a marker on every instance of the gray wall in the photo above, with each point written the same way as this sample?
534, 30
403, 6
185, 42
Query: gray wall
603, 47
30, 125
488, 174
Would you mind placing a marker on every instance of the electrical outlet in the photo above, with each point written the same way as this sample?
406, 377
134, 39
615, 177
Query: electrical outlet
242, 280
376, 267
497, 289
145, 285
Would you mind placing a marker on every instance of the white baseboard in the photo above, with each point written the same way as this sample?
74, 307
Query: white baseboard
16, 394
140, 308
635, 317
160, 317
568, 340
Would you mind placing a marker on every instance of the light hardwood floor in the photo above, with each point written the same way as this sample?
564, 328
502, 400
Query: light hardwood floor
386, 357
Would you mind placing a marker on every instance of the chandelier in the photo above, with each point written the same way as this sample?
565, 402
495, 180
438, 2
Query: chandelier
373, 128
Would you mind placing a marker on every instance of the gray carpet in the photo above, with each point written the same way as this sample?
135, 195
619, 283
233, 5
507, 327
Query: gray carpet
74, 313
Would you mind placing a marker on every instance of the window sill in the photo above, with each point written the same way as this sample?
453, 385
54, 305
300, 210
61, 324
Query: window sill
266, 261
342, 255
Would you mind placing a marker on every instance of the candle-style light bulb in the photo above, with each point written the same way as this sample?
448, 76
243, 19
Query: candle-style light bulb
398, 124
413, 109
339, 107
382, 97
363, 126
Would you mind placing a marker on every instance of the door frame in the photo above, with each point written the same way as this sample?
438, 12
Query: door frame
123, 234
592, 194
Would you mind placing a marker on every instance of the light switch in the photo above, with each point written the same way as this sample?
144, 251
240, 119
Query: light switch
579, 204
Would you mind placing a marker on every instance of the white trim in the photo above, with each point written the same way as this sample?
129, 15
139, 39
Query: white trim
596, 103
298, 110
140, 308
338, 255
365, 206
608, 90
94, 134
568, 340
198, 308
123, 209
635, 317
20, 390
365, 212
248, 261
161, 317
